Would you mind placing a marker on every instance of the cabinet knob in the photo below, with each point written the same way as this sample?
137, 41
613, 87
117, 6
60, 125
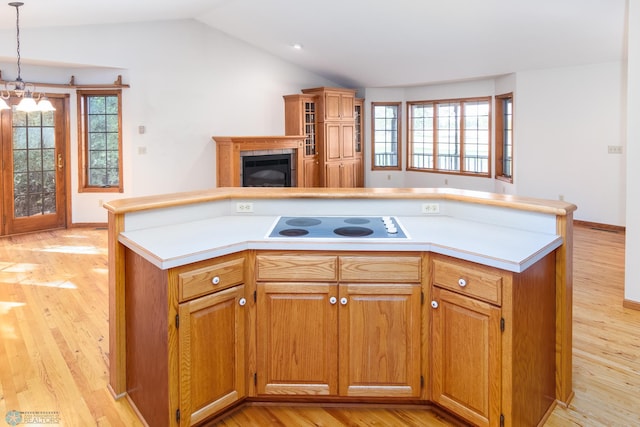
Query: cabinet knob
434, 304
462, 282
343, 301
333, 300
242, 301
215, 280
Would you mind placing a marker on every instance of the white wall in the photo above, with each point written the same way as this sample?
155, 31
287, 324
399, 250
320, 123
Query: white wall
632, 266
564, 120
188, 83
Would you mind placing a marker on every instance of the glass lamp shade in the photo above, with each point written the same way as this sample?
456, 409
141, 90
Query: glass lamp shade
45, 105
27, 104
4, 105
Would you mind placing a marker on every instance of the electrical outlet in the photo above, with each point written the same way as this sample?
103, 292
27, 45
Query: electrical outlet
244, 207
614, 149
430, 208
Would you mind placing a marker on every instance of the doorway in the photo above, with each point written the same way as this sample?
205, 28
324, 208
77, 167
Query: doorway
34, 178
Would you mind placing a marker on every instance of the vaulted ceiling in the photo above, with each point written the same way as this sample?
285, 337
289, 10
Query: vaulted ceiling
375, 43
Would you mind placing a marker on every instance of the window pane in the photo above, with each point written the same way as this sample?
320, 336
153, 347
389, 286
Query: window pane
421, 136
476, 136
103, 136
451, 136
507, 137
448, 136
385, 135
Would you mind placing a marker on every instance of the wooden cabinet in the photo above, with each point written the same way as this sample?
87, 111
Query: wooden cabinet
211, 342
211, 337
329, 115
334, 104
379, 339
186, 338
492, 341
358, 108
466, 357
320, 332
300, 119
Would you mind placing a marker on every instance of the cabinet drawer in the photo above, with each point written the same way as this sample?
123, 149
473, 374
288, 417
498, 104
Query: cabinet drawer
476, 281
210, 278
396, 269
301, 267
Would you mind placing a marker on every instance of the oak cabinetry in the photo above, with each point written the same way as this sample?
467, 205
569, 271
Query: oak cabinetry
186, 338
211, 336
211, 342
327, 116
493, 341
300, 119
358, 108
333, 103
311, 306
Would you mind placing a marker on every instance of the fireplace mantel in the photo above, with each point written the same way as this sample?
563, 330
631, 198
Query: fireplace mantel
229, 150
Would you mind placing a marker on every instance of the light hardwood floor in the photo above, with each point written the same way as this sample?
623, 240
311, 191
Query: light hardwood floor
54, 344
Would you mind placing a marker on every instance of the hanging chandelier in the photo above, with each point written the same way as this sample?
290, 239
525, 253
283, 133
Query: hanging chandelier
29, 100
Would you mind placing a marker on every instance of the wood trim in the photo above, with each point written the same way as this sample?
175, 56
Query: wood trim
229, 149
117, 320
136, 204
631, 305
117, 84
600, 226
564, 310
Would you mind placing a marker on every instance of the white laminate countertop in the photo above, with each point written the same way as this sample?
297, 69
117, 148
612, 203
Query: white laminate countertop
506, 248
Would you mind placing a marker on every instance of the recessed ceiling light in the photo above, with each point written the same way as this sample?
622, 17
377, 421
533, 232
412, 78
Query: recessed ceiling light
297, 46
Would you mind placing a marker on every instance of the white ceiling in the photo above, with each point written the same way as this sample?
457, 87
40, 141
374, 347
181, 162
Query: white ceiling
376, 43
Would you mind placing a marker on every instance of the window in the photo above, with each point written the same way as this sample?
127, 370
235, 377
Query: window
386, 135
450, 136
504, 137
100, 145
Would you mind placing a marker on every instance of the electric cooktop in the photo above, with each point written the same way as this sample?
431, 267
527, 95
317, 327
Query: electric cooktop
367, 227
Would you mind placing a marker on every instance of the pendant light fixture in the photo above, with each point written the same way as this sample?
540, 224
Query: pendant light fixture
30, 101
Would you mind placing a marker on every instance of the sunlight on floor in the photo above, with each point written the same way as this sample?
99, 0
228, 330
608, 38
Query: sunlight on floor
85, 250
5, 306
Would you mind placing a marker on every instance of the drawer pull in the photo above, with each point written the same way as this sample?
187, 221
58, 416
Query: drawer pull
242, 302
333, 300
434, 304
215, 280
343, 301
462, 282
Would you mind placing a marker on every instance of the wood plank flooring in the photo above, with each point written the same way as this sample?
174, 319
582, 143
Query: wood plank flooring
54, 346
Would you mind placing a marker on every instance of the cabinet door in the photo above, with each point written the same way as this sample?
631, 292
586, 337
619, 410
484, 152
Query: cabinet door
311, 172
211, 338
297, 339
332, 142
380, 340
333, 174
338, 105
348, 174
466, 358
348, 144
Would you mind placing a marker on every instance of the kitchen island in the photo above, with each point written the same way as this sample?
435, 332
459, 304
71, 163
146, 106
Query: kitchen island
484, 255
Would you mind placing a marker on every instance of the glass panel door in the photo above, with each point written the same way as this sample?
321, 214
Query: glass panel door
33, 184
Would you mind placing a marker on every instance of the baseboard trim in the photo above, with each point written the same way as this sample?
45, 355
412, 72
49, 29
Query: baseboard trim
89, 225
599, 226
632, 305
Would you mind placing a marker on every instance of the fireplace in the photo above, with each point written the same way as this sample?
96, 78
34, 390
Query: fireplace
269, 170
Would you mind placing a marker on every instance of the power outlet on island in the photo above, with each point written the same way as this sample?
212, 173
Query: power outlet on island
244, 207
430, 208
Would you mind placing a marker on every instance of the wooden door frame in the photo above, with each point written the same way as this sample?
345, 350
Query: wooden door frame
66, 174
